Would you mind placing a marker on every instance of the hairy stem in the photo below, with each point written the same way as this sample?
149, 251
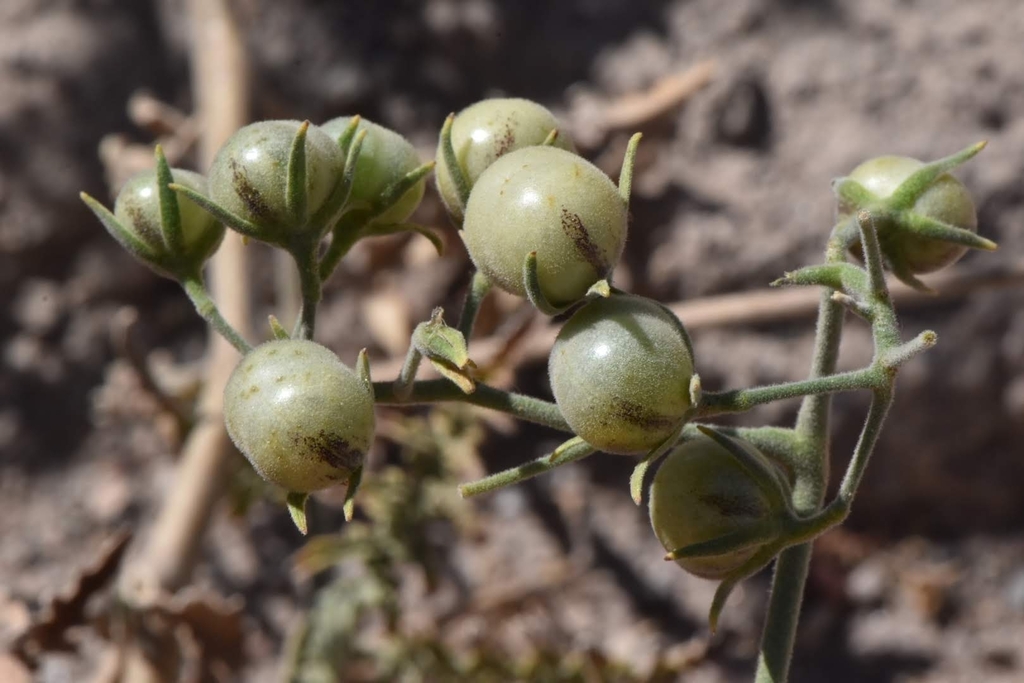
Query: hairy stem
438, 390
208, 310
311, 285
812, 425
741, 400
345, 234
478, 288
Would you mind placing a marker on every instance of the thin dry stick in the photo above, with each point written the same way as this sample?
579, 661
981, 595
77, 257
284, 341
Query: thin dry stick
222, 97
633, 110
744, 308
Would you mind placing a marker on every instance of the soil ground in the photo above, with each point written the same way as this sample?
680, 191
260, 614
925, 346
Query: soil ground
926, 581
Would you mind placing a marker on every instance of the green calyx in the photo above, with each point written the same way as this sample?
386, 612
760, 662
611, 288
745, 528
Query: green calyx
924, 217
445, 348
170, 234
280, 182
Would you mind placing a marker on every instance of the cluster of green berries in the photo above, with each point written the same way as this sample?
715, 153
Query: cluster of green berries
538, 221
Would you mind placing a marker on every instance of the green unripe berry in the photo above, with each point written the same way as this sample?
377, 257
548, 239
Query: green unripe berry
946, 200
620, 371
385, 158
137, 209
701, 493
491, 128
249, 177
302, 417
549, 201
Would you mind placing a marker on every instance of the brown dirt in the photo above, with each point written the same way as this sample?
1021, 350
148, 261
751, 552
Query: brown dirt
732, 190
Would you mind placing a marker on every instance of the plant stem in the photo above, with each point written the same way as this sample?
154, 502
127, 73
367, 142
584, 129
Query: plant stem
345, 234
437, 390
791, 567
478, 288
572, 450
403, 384
741, 400
309, 280
208, 310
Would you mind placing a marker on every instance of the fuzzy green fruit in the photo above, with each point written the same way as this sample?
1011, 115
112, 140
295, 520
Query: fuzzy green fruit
620, 371
249, 178
946, 200
700, 493
137, 208
487, 130
302, 418
384, 159
549, 201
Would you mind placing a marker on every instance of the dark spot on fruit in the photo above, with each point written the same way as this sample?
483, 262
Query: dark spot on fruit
248, 193
271, 352
332, 449
572, 226
507, 141
278, 379
733, 506
144, 227
642, 416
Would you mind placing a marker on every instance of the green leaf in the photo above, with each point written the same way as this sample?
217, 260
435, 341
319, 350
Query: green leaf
354, 480
741, 539
446, 349
452, 162
923, 226
531, 282
852, 193
276, 328
363, 370
842, 276
127, 239
396, 190
572, 450
763, 473
235, 222
636, 479
296, 192
911, 189
297, 509
626, 176
170, 216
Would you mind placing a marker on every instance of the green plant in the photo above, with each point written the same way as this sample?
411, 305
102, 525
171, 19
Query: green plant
544, 223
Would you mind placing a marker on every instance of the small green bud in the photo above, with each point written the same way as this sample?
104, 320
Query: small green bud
445, 348
278, 182
169, 233
384, 160
925, 218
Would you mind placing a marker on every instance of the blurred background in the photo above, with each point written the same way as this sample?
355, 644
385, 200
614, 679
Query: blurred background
748, 108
